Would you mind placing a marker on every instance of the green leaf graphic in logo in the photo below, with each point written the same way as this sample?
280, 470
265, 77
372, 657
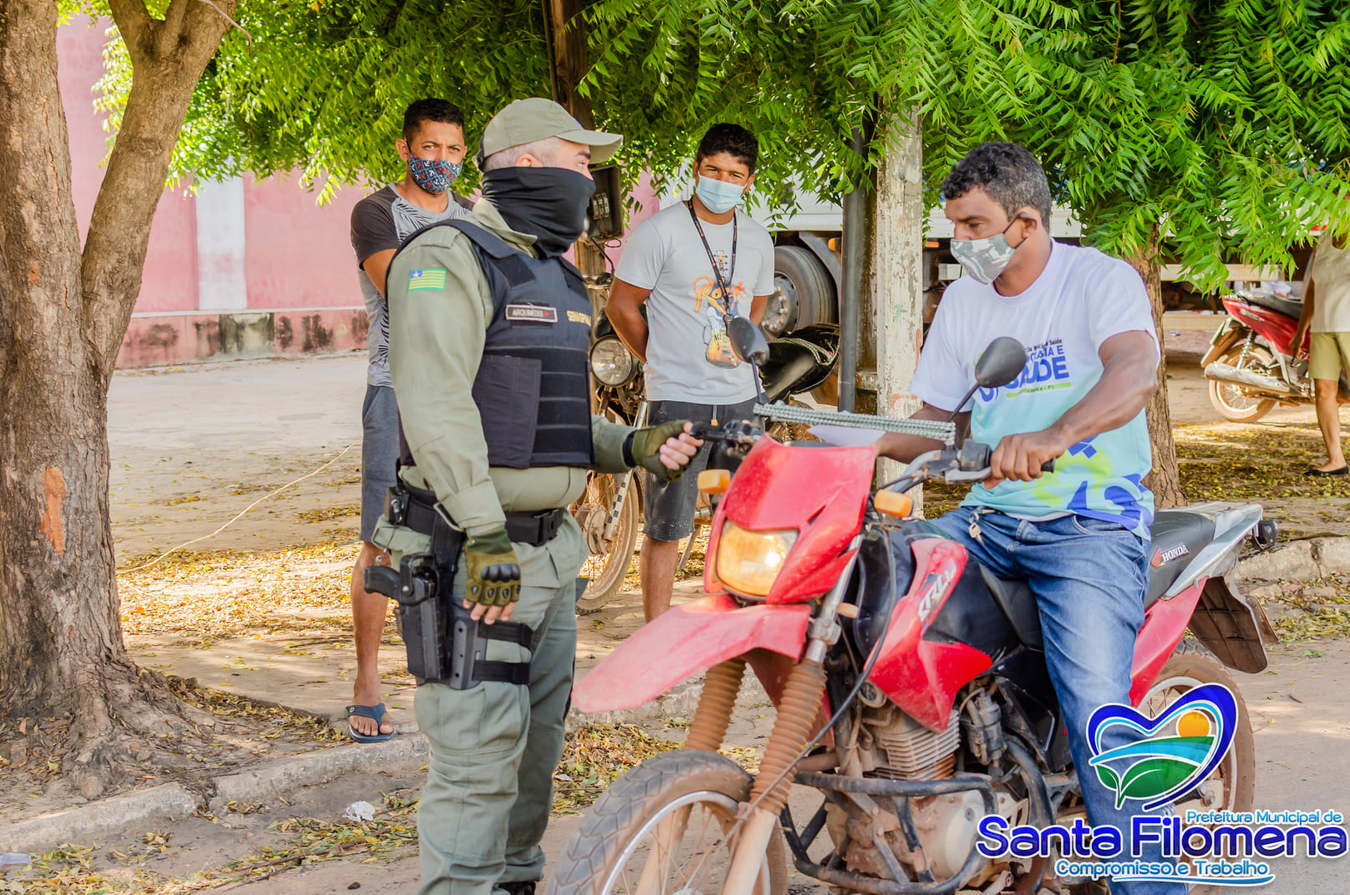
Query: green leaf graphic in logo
1175, 752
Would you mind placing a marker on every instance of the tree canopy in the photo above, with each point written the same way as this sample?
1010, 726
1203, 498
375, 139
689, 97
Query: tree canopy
1223, 123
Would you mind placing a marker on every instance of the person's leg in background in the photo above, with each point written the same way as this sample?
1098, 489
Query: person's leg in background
668, 512
1326, 358
379, 454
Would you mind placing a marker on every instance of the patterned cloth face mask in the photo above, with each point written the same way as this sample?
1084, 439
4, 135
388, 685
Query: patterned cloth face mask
433, 175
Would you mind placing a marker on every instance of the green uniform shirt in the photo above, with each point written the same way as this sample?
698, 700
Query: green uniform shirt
437, 328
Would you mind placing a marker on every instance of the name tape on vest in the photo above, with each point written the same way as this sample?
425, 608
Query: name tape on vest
532, 313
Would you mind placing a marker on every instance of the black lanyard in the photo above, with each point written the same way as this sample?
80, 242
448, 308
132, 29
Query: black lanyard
727, 297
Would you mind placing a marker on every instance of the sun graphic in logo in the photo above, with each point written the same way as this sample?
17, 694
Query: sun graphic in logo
1145, 761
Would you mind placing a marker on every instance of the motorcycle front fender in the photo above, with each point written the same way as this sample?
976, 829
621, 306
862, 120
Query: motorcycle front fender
687, 640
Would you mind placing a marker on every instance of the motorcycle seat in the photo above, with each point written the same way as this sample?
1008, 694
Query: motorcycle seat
1018, 603
1177, 536
1274, 303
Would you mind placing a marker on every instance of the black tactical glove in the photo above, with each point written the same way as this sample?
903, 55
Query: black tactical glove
644, 447
492, 572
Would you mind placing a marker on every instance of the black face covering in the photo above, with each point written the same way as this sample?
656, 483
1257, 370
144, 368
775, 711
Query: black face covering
548, 203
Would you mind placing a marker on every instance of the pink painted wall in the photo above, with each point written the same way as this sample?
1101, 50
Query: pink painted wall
170, 279
298, 254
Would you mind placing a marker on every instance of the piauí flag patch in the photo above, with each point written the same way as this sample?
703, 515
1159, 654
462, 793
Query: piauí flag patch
426, 278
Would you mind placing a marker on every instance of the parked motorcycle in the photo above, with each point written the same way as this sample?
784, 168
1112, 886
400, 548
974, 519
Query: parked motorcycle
910, 683
1251, 365
610, 511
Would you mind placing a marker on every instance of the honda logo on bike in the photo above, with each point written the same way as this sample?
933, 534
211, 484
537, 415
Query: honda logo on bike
1161, 556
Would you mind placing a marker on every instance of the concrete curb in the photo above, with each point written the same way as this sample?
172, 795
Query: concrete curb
100, 819
282, 775
1304, 560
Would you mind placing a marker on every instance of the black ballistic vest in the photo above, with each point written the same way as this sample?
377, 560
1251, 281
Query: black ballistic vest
533, 384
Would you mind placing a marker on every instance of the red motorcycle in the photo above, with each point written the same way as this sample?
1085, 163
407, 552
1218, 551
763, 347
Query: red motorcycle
1251, 364
911, 689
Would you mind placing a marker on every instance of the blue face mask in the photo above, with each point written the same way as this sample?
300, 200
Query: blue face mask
718, 196
433, 175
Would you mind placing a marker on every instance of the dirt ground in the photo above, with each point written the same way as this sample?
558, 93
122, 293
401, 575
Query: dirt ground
193, 447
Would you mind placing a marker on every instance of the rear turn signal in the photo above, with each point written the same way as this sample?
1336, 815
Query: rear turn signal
714, 481
889, 503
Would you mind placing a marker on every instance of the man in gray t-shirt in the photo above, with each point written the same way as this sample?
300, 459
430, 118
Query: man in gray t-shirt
432, 149
691, 263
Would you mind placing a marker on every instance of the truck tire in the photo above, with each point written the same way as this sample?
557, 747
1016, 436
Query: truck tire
806, 290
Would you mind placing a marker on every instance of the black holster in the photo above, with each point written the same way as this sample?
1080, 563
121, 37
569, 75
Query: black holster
443, 643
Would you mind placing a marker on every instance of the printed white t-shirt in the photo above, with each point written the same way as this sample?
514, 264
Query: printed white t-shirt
1080, 300
689, 356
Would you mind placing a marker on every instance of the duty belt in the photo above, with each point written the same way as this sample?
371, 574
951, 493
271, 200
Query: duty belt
419, 513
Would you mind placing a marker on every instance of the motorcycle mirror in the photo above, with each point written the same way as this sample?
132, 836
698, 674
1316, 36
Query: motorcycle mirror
747, 340
1002, 361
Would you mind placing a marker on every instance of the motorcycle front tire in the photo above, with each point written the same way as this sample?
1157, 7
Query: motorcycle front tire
604, 855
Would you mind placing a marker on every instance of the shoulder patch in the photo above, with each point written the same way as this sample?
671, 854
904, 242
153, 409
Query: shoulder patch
578, 317
426, 278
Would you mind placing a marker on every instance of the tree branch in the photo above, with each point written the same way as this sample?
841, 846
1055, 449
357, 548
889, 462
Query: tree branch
161, 90
135, 25
170, 31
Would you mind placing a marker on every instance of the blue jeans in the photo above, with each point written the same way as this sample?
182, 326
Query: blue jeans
1089, 578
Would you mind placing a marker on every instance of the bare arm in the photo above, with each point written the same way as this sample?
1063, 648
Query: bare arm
898, 446
1129, 378
377, 268
625, 312
758, 305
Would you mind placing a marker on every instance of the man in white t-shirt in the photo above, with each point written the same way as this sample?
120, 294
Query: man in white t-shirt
692, 264
1326, 314
1079, 535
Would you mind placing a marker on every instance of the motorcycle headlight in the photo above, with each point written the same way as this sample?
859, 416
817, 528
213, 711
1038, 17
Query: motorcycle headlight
748, 562
612, 363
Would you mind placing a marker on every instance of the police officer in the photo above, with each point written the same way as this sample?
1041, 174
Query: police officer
488, 338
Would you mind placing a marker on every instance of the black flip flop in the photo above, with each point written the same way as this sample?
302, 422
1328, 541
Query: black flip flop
375, 713
1315, 472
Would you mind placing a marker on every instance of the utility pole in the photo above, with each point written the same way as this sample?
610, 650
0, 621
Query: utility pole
566, 32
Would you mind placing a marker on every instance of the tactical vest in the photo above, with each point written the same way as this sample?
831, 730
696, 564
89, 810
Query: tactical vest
533, 384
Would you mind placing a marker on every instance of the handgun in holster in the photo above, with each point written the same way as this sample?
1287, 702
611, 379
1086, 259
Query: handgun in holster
443, 642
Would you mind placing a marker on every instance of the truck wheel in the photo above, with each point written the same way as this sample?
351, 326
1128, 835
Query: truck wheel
803, 292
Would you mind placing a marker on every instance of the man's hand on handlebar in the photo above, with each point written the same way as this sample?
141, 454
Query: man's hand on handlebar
1023, 457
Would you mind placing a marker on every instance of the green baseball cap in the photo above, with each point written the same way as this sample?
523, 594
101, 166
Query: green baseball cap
536, 118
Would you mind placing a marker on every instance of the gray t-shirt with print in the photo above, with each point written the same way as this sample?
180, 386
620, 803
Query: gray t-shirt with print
382, 221
689, 357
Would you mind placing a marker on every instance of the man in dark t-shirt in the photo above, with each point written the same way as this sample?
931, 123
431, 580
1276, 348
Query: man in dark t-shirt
432, 148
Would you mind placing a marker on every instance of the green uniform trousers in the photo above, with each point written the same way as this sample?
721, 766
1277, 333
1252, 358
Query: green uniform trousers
494, 748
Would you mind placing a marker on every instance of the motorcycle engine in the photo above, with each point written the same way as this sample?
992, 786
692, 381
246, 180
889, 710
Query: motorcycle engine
894, 746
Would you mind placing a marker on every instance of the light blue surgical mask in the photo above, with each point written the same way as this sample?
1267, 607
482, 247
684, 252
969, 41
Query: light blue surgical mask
718, 196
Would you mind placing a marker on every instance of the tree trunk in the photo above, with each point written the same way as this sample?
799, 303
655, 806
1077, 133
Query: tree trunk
1165, 479
62, 318
567, 67
896, 265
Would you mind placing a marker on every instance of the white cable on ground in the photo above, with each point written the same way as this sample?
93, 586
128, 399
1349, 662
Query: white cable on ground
241, 513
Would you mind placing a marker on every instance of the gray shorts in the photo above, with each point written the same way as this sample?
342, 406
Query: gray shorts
379, 453
669, 508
